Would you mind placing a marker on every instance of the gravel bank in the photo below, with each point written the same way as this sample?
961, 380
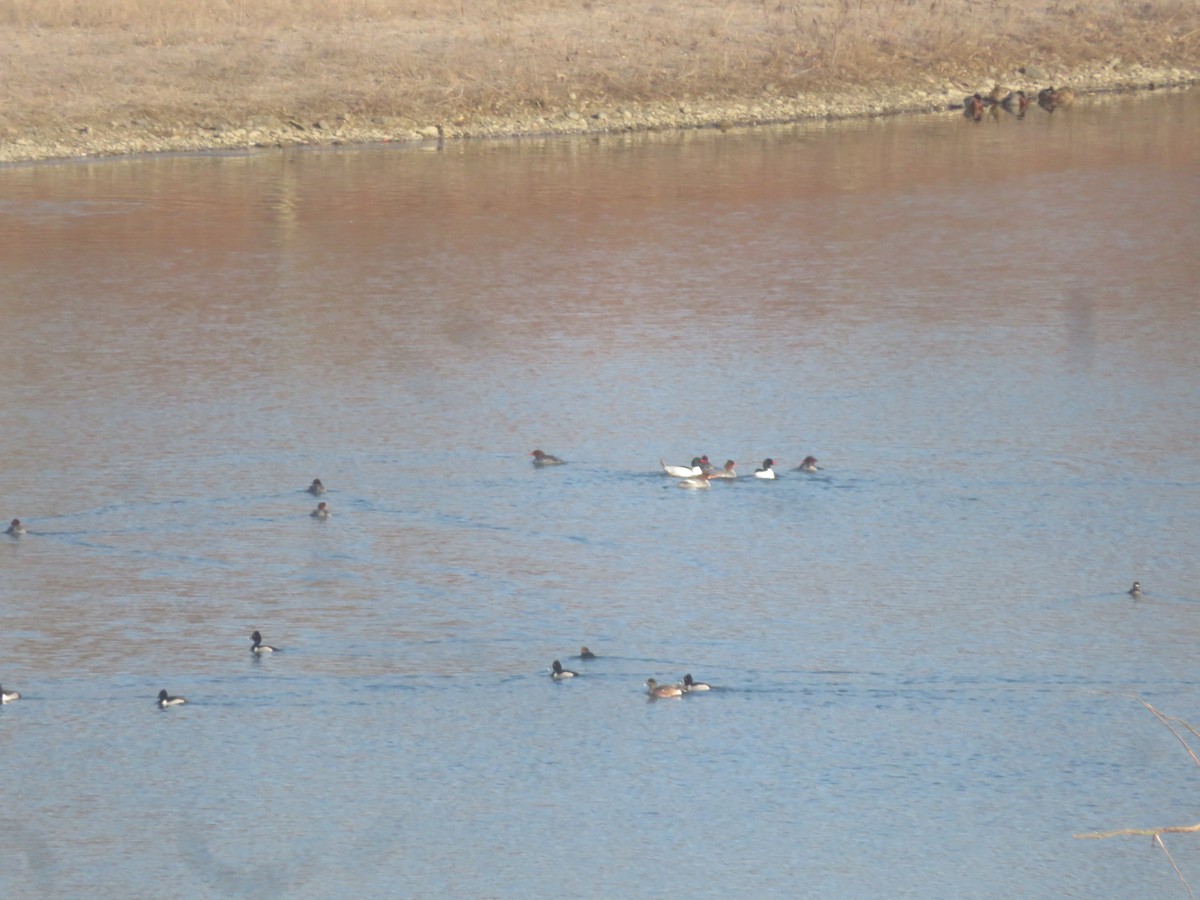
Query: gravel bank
147, 135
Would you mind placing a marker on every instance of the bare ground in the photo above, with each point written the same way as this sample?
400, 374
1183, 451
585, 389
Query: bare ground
130, 76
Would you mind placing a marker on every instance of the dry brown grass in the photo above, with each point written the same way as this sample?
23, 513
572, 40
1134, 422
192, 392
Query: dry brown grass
195, 60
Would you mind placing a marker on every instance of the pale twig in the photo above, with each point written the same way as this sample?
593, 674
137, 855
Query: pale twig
1158, 840
1157, 833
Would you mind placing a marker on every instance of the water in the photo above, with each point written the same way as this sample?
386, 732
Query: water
926, 658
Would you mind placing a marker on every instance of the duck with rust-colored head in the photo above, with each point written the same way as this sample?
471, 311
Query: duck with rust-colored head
1016, 103
542, 459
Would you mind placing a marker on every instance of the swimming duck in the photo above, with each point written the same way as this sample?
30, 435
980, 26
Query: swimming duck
726, 472
654, 689
808, 464
695, 483
683, 471
690, 686
259, 646
316, 488
1016, 103
15, 528
165, 700
541, 458
585, 653
558, 673
322, 511
8, 696
973, 107
766, 471
706, 468
1136, 590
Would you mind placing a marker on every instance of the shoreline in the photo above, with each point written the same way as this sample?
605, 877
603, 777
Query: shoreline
147, 135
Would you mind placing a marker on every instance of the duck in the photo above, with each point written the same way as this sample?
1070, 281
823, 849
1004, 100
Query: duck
316, 488
766, 471
15, 528
259, 646
690, 686
322, 511
1051, 98
165, 700
585, 653
695, 483
1016, 103
808, 464
683, 471
973, 107
541, 458
8, 696
706, 467
726, 472
1136, 590
654, 689
558, 673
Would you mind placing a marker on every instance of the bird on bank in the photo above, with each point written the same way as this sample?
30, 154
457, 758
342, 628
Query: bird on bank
1016, 103
542, 459
1052, 98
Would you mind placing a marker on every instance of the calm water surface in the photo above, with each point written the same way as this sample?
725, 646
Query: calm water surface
988, 333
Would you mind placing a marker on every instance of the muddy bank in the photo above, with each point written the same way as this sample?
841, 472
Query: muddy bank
147, 134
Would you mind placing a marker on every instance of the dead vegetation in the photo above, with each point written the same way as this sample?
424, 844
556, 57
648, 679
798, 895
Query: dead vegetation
168, 60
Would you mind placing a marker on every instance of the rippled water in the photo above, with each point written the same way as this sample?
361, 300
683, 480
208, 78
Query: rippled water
926, 659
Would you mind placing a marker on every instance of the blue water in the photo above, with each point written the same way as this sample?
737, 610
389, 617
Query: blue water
926, 662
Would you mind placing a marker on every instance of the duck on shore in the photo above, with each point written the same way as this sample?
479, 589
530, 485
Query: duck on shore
1052, 98
1016, 103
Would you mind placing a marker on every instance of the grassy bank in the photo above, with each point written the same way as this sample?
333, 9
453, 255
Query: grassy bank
95, 77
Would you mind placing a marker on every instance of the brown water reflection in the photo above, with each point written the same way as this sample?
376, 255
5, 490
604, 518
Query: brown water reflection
987, 332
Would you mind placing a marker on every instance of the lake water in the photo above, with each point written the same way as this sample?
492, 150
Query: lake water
927, 662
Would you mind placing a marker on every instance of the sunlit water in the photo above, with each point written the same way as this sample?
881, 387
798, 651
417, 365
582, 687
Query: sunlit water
927, 663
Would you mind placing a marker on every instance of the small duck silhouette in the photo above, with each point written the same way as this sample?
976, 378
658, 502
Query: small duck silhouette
1052, 98
1016, 103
